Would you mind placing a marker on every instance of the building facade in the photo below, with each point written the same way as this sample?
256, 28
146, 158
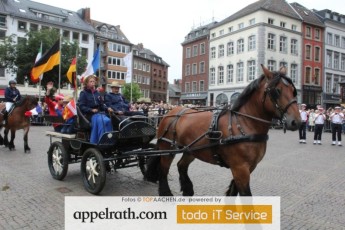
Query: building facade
195, 66
266, 32
334, 56
312, 58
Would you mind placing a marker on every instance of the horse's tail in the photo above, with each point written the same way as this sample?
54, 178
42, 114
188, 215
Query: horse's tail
152, 172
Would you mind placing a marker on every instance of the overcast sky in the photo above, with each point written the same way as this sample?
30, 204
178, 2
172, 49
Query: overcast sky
161, 25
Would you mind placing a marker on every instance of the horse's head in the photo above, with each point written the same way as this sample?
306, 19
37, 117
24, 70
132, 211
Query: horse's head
28, 102
282, 94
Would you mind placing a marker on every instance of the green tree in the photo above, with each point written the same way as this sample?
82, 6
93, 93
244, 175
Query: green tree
136, 93
8, 54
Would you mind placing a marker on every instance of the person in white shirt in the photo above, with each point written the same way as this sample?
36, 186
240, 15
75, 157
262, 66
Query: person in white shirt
319, 120
303, 127
336, 125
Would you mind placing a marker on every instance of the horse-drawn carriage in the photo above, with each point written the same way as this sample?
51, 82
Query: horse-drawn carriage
233, 137
122, 148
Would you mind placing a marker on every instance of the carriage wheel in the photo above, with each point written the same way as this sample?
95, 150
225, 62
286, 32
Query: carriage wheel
57, 160
93, 171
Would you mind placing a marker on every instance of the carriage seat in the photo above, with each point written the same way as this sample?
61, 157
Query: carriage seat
83, 124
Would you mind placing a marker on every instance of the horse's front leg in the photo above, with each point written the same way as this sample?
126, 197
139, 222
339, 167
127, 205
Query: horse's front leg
241, 181
163, 186
6, 137
185, 182
11, 143
26, 134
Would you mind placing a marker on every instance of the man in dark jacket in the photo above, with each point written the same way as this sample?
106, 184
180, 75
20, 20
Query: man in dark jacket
12, 95
116, 101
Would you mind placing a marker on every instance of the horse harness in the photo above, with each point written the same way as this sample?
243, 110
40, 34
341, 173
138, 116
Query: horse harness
213, 134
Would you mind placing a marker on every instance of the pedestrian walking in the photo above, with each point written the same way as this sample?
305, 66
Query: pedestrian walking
303, 127
336, 125
319, 120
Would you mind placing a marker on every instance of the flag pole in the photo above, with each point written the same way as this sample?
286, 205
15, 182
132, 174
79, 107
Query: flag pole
75, 77
60, 64
40, 77
132, 73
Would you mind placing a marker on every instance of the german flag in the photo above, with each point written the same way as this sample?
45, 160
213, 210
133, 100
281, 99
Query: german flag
72, 72
46, 62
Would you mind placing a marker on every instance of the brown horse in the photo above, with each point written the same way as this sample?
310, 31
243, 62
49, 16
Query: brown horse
17, 120
235, 137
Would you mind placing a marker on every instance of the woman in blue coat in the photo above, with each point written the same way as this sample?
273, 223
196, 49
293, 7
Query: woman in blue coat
92, 105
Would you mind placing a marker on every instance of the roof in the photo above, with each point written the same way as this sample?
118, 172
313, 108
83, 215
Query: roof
199, 32
27, 9
280, 7
117, 34
174, 90
148, 54
308, 15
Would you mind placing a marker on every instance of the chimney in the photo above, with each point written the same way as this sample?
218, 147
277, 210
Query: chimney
86, 15
140, 46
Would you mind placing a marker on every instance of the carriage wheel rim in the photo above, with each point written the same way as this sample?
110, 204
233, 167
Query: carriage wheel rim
91, 171
57, 161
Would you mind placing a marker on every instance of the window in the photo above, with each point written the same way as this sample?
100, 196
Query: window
213, 52
240, 46
240, 72
283, 44
240, 26
2, 20
213, 35
271, 42
212, 76
308, 32
251, 70
75, 36
229, 74
84, 52
329, 39
201, 86
342, 62
221, 51
2, 34
252, 21
230, 48
194, 86
231, 28
282, 24
317, 34
195, 50
202, 48
188, 52
329, 60
221, 32
293, 73
251, 43
293, 27
187, 87
220, 75
308, 52
294, 49
187, 70
85, 38
21, 25
282, 64
307, 74
336, 60
317, 76
271, 65
337, 40
317, 54
328, 82
270, 21
194, 69
342, 42
2, 72
202, 67
33, 27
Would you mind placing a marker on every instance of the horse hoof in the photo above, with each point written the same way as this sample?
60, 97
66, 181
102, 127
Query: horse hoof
27, 150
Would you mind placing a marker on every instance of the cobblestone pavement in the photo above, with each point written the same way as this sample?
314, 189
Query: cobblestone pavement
308, 178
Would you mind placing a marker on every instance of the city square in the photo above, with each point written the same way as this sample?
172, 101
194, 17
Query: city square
308, 178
